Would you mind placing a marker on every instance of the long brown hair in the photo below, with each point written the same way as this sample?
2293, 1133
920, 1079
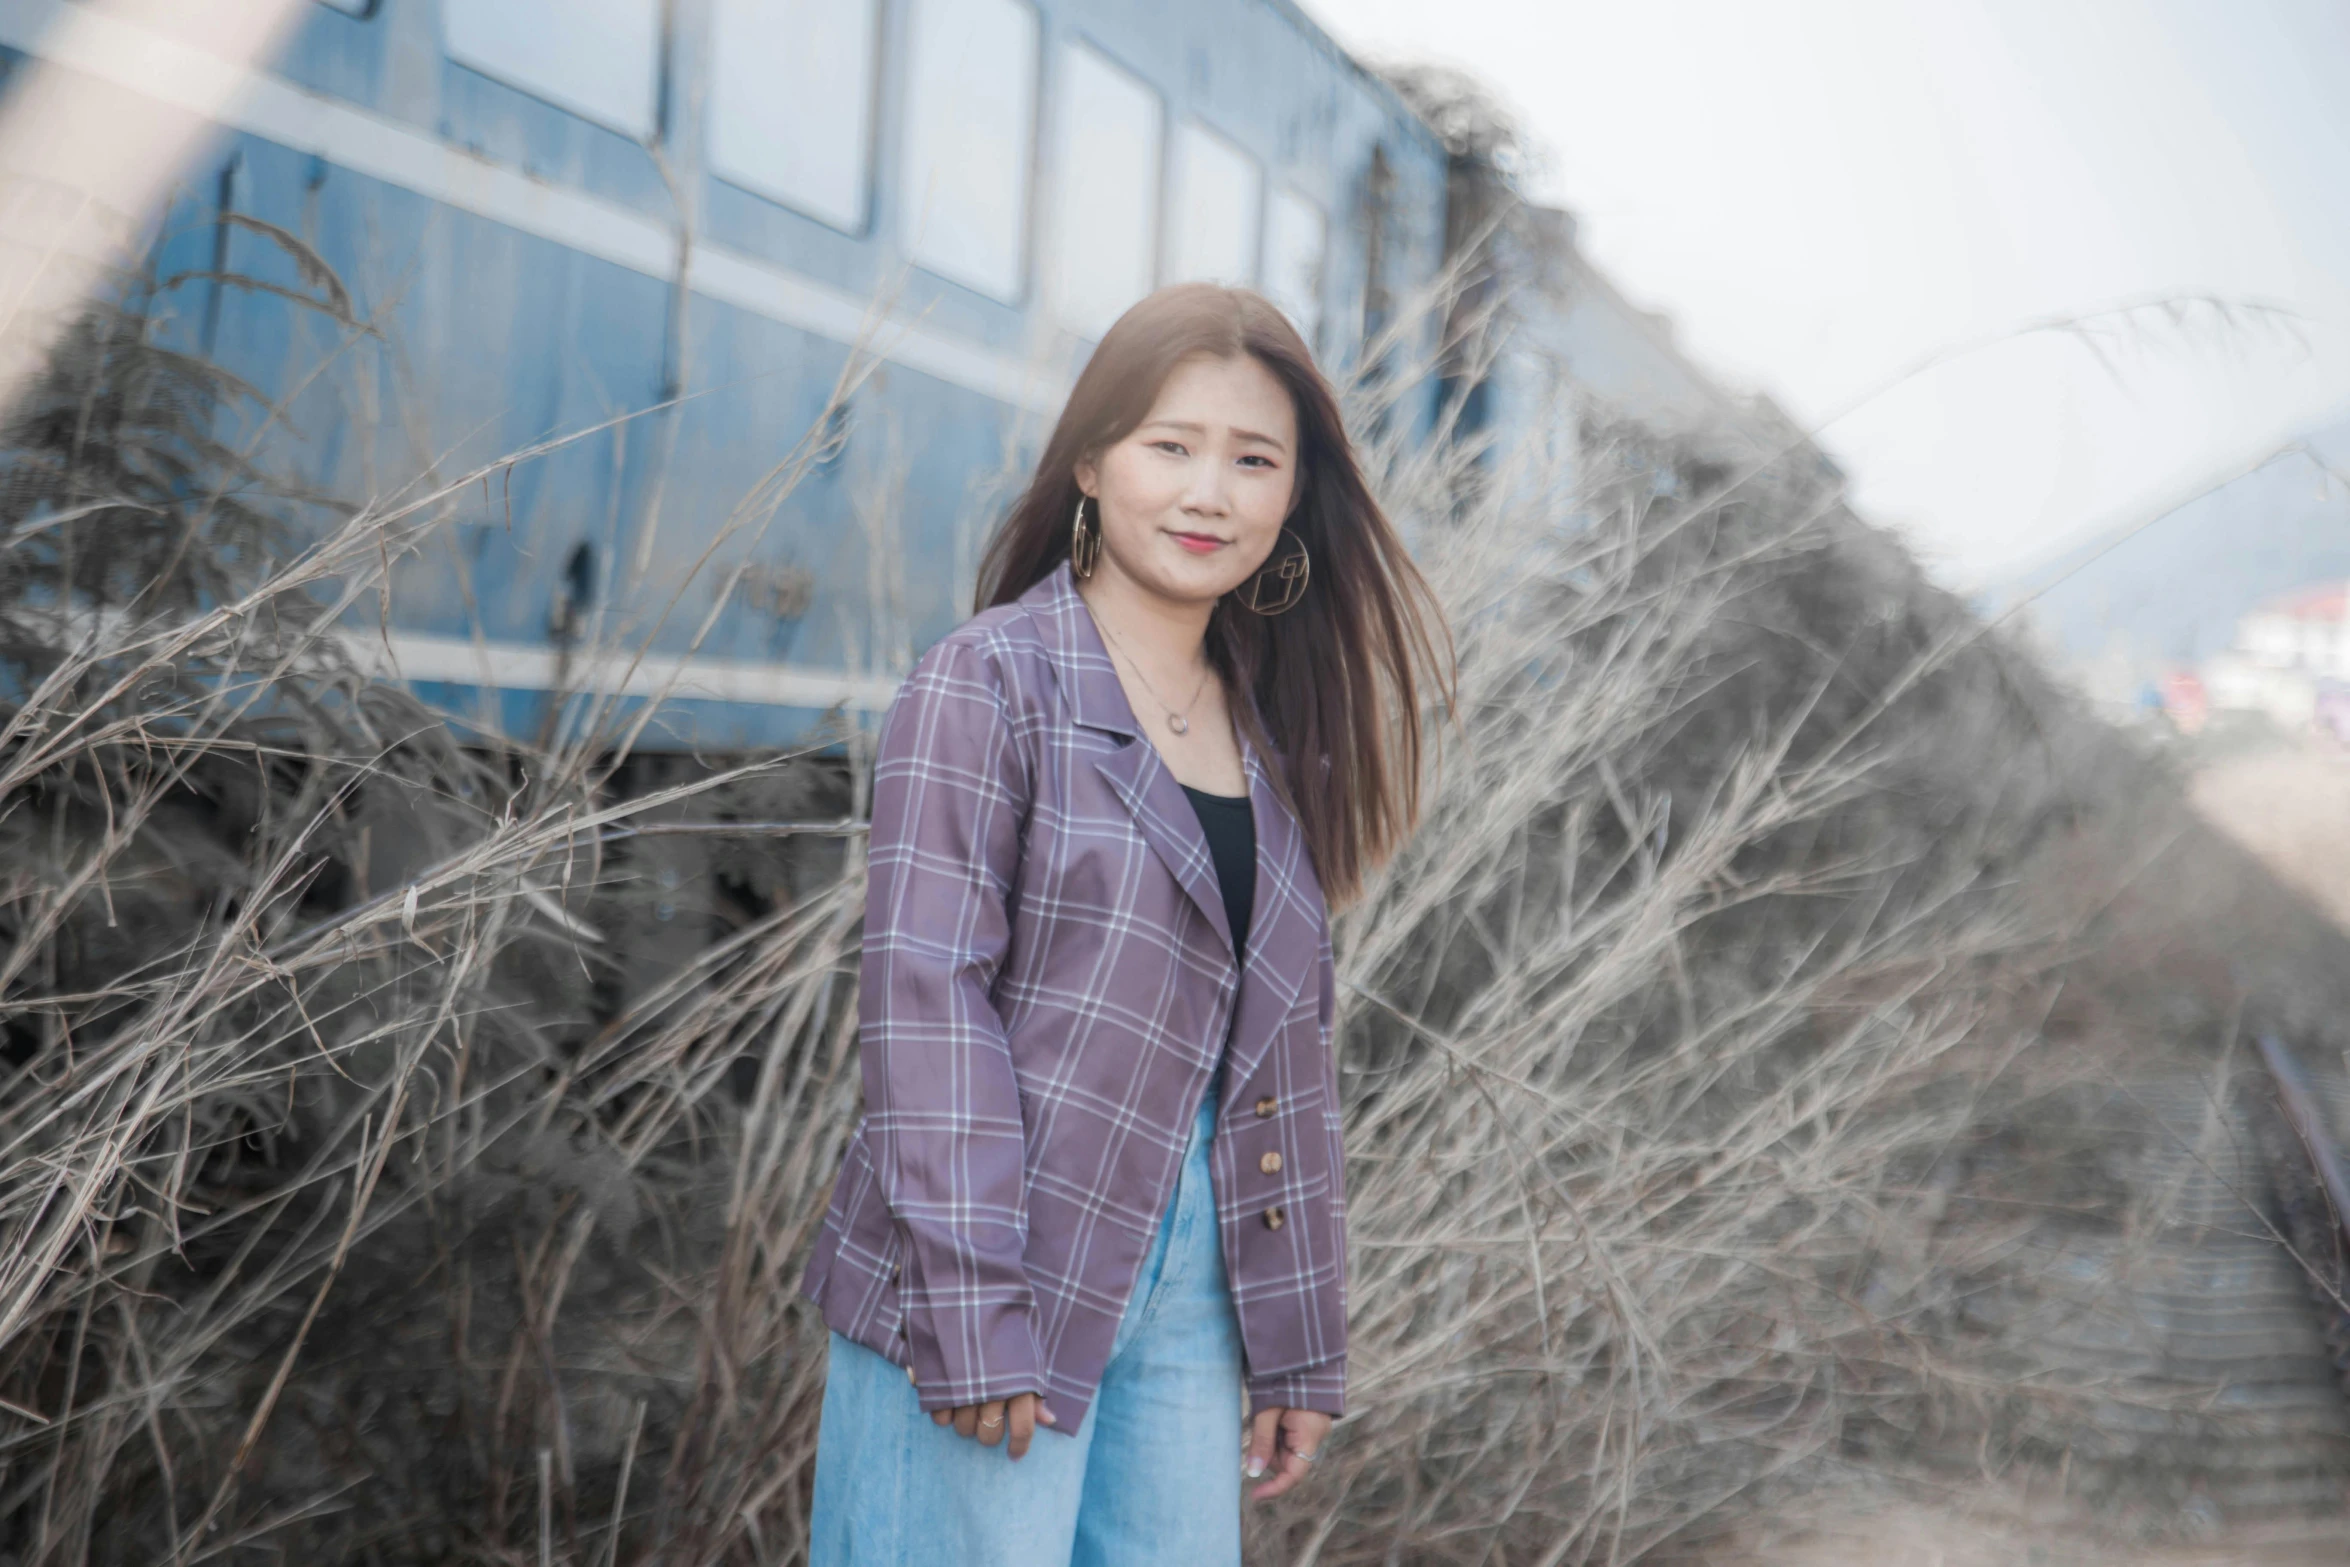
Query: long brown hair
1337, 679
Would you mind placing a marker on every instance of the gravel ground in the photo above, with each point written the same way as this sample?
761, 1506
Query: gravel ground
2291, 808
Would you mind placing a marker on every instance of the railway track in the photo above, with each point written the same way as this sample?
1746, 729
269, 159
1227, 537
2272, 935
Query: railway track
2188, 1365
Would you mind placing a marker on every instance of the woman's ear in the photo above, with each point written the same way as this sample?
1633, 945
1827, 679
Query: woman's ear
1088, 475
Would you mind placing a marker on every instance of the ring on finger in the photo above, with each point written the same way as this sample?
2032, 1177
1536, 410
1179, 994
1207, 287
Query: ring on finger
1311, 1458
990, 1425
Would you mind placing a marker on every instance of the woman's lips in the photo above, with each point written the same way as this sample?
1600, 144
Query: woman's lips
1198, 543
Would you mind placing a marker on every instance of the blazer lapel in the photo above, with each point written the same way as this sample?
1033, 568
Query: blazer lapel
1161, 811
1285, 925
1163, 815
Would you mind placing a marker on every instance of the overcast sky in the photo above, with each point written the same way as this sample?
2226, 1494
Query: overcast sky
1822, 192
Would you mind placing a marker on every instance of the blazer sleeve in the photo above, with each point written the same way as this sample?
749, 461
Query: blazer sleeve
943, 1123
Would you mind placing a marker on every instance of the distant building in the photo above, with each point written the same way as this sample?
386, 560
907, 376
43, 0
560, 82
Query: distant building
2290, 662
2185, 699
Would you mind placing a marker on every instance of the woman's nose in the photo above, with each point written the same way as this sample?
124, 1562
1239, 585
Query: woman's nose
1206, 493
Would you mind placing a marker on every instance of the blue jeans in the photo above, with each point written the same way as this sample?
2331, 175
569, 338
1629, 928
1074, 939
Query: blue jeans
1151, 1476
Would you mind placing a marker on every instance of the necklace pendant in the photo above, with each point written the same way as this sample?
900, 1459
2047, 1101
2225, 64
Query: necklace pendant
1180, 724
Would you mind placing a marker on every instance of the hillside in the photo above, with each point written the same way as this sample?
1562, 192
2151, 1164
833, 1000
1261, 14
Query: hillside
2170, 591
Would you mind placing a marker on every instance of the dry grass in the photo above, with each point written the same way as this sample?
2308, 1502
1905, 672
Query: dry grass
1661, 1038
339, 1220
339, 1223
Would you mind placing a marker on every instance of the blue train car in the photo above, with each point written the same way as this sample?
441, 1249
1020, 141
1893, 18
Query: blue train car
670, 225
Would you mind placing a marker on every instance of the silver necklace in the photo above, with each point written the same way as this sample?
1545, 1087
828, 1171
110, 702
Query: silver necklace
1177, 720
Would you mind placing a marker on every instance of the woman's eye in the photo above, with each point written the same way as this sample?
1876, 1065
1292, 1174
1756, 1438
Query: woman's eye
1262, 462
1172, 448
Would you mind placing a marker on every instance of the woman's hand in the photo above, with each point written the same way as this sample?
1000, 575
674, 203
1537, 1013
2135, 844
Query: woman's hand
1301, 1433
1016, 1417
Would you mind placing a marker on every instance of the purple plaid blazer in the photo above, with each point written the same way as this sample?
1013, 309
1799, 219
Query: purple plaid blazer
1048, 983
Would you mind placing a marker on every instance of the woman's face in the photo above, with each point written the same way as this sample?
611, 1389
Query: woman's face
1192, 500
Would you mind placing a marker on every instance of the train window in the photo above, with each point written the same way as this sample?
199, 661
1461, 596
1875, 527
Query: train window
971, 117
597, 58
1106, 191
791, 102
1296, 235
1213, 210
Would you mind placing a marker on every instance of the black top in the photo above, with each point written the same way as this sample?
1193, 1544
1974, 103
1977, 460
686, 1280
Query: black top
1232, 844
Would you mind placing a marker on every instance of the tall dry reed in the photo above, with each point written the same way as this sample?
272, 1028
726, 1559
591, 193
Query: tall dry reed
338, 1222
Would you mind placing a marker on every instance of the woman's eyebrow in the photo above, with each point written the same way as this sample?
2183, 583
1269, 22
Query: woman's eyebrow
1193, 427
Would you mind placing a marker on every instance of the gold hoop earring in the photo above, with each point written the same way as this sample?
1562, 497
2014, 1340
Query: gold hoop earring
1280, 583
1085, 549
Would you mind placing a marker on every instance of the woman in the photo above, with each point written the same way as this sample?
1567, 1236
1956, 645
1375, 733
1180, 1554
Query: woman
1097, 1189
